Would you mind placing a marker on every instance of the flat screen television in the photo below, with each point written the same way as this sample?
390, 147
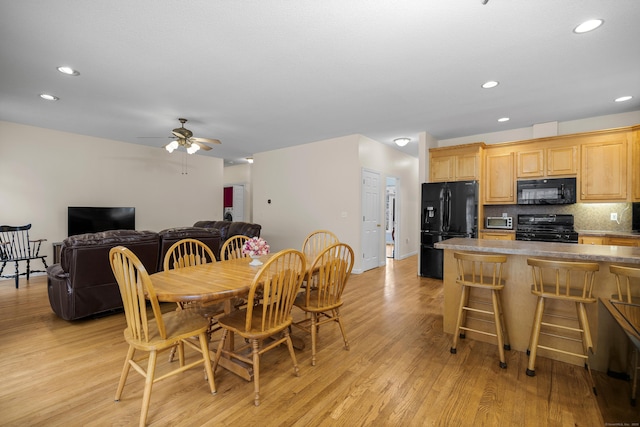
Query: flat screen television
94, 219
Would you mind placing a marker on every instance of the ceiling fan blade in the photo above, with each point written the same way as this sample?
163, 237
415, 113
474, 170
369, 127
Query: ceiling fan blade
200, 144
205, 140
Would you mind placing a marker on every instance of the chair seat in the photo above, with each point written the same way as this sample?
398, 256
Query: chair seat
181, 324
236, 321
314, 305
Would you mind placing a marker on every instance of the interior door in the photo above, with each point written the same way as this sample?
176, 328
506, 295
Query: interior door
371, 221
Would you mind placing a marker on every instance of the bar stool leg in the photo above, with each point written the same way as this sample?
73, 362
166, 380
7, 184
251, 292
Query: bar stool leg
496, 317
505, 333
464, 298
535, 337
587, 343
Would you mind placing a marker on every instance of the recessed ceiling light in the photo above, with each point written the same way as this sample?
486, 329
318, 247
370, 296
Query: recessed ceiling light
503, 119
587, 26
68, 71
490, 84
623, 98
48, 97
401, 142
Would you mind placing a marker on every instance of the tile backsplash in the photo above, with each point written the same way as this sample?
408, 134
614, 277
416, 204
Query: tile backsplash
587, 216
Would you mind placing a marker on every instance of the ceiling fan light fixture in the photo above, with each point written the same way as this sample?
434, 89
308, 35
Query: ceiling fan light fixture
172, 146
192, 148
401, 142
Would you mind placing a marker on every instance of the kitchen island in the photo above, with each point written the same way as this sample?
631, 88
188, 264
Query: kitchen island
610, 343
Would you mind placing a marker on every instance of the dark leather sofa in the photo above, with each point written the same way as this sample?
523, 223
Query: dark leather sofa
229, 229
82, 284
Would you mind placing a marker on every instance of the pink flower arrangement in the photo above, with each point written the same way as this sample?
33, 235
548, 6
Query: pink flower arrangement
255, 246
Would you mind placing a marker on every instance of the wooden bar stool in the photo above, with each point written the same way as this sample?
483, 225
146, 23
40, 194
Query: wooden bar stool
568, 281
628, 283
481, 271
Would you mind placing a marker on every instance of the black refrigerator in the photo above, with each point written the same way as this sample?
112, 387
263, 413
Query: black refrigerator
449, 209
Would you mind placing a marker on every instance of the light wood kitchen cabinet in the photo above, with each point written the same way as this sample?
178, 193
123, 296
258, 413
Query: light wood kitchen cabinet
496, 235
591, 240
459, 163
530, 163
547, 162
622, 241
635, 166
562, 160
603, 172
499, 176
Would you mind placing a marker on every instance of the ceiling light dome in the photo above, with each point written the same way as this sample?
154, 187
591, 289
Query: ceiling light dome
589, 25
68, 71
490, 84
49, 97
623, 98
401, 142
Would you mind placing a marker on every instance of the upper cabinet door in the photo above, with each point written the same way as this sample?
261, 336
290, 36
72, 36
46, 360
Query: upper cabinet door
499, 177
442, 168
603, 173
562, 160
530, 164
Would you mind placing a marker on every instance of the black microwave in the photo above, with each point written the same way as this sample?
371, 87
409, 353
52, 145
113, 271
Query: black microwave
553, 191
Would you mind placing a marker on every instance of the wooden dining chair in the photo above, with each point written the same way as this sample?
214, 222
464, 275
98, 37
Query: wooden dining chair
628, 287
316, 242
278, 282
313, 245
232, 247
333, 267
17, 246
187, 253
156, 333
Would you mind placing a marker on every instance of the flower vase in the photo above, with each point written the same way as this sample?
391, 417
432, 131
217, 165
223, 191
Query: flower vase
255, 260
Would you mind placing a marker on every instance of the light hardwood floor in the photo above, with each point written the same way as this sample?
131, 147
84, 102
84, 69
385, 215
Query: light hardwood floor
398, 372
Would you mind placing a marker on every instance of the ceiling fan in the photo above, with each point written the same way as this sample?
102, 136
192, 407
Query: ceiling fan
186, 139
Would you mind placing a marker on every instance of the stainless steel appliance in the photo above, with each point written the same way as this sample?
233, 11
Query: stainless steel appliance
449, 209
499, 222
556, 191
546, 228
635, 217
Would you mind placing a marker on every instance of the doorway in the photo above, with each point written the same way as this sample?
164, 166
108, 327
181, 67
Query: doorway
391, 217
371, 223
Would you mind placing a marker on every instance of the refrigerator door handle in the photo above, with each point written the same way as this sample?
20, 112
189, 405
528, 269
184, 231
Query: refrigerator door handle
446, 215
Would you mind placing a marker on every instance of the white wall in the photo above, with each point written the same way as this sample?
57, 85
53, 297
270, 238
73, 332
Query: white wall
44, 171
318, 186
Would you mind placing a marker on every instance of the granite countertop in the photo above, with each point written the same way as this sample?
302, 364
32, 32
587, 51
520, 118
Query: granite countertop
604, 253
608, 233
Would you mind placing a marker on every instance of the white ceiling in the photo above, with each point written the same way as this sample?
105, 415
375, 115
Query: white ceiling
266, 74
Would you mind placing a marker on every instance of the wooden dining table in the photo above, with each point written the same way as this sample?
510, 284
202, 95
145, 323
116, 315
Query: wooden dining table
208, 283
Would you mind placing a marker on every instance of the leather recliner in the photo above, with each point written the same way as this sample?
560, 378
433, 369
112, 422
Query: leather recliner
83, 283
231, 228
208, 236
